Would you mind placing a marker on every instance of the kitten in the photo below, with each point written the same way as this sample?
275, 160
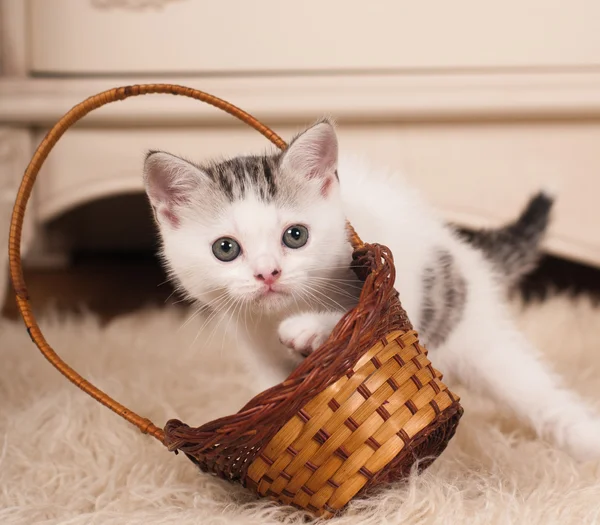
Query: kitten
261, 241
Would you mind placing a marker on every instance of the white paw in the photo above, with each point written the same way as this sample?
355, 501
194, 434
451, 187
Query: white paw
304, 333
583, 441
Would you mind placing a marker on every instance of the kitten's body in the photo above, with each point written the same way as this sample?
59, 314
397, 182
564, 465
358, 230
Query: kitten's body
452, 291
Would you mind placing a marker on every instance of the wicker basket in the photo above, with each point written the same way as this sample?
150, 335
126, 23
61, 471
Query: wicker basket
358, 412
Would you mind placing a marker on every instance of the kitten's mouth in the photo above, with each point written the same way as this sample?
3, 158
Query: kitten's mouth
271, 297
272, 290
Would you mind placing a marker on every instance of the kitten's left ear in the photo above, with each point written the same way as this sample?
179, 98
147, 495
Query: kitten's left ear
169, 182
313, 153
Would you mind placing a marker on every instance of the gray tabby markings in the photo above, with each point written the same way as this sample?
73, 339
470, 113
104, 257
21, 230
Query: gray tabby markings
235, 177
514, 249
445, 296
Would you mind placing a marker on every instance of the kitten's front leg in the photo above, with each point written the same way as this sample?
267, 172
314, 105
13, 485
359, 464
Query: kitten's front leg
304, 333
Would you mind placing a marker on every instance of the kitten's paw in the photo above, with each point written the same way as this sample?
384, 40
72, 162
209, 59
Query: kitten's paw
304, 333
583, 441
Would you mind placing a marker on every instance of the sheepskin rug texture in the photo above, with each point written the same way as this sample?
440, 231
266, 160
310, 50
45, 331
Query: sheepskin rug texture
66, 459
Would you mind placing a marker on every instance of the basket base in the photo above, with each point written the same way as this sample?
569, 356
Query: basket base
426, 447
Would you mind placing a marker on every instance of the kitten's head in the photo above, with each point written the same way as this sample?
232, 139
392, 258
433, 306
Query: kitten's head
258, 231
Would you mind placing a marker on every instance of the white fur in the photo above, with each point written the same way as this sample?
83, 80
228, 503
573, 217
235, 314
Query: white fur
304, 333
484, 350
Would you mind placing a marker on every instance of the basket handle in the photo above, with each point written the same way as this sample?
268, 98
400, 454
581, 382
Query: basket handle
16, 226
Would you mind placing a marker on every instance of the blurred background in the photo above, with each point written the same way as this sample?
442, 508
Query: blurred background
478, 103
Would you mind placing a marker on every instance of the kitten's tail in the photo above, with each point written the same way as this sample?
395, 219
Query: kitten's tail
514, 249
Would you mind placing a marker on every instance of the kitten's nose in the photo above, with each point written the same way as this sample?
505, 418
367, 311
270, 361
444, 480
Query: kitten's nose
268, 277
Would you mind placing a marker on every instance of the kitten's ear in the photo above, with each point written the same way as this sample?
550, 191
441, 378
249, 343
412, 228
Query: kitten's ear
169, 182
313, 153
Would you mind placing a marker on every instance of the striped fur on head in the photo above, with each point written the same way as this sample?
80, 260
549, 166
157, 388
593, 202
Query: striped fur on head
256, 173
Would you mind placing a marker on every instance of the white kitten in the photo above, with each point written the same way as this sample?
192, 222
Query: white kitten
261, 241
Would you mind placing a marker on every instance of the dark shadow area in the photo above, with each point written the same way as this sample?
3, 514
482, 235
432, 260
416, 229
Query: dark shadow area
113, 265
559, 275
122, 224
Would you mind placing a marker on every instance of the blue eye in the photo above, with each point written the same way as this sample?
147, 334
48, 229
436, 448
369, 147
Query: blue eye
295, 236
226, 249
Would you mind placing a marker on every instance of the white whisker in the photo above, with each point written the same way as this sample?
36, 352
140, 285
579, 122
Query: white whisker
315, 290
200, 309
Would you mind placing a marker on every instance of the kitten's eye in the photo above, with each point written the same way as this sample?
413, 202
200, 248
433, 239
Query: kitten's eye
295, 236
226, 249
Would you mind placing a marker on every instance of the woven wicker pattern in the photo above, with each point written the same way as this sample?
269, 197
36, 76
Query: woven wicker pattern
358, 412
346, 434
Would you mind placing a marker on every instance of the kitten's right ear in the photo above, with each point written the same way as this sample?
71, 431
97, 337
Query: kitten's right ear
314, 153
169, 183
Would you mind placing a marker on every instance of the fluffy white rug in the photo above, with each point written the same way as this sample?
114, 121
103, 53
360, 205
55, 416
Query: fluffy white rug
66, 459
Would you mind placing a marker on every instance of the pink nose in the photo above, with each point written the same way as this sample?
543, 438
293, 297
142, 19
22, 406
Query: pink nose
268, 277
